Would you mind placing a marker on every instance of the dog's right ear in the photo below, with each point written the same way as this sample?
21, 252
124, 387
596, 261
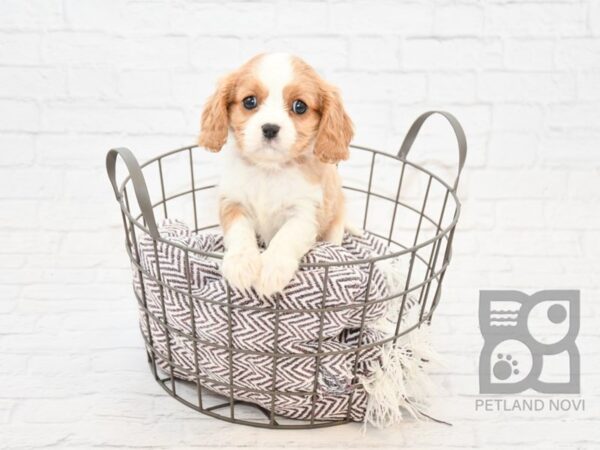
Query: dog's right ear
215, 117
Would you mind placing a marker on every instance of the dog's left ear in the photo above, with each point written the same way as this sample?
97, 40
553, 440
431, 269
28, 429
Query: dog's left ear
335, 129
215, 117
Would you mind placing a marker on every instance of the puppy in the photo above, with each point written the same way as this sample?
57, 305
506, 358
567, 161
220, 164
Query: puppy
287, 128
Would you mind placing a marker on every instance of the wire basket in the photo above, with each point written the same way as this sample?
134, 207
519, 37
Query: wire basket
419, 210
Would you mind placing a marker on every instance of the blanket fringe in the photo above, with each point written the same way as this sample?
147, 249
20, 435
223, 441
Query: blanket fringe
401, 385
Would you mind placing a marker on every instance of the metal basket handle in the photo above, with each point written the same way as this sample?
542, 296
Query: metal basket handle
413, 131
138, 181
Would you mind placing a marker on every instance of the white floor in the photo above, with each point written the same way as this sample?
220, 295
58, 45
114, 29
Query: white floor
80, 380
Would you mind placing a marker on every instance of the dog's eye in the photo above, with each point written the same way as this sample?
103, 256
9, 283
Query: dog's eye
250, 102
299, 107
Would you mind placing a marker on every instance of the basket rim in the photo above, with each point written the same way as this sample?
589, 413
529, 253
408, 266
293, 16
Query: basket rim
444, 232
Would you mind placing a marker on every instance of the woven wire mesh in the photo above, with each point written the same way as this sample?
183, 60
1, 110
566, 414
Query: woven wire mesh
414, 211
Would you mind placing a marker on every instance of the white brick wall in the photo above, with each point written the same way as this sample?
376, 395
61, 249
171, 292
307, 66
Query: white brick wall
80, 76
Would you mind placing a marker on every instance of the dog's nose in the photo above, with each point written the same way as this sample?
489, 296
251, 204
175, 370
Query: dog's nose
270, 130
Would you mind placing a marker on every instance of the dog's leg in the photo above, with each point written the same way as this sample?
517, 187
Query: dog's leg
335, 232
280, 260
241, 262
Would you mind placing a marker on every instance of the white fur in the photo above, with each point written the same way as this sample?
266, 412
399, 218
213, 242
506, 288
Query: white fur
241, 263
282, 207
275, 72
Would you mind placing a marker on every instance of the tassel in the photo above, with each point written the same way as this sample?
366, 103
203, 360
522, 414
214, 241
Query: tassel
400, 384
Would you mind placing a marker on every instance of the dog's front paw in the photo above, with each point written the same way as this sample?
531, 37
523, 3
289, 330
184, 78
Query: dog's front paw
276, 273
242, 267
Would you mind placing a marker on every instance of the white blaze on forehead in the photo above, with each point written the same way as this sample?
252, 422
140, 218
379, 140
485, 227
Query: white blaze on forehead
275, 72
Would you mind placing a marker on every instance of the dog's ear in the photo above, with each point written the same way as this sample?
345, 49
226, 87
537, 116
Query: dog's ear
335, 129
215, 117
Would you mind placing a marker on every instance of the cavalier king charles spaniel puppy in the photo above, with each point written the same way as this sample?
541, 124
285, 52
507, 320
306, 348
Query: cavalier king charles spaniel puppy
286, 128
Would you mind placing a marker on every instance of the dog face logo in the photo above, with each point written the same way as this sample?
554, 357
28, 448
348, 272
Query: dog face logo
529, 342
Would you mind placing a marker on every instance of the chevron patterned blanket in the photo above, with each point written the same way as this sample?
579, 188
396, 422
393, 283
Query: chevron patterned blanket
236, 342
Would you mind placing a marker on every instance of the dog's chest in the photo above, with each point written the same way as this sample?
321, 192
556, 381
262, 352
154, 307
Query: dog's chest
271, 197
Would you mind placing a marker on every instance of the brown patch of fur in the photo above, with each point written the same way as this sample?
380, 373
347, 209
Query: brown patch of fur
247, 85
333, 211
335, 130
215, 117
325, 125
306, 124
229, 212
337, 217
217, 113
306, 87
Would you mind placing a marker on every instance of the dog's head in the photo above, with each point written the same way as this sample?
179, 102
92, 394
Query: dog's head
278, 110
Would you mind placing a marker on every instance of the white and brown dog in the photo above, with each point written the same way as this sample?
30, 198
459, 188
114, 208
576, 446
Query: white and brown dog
288, 130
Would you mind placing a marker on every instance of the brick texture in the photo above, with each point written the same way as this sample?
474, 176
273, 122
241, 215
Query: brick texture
80, 76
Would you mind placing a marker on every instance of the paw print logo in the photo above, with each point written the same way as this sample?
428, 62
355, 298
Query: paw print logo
505, 367
523, 335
